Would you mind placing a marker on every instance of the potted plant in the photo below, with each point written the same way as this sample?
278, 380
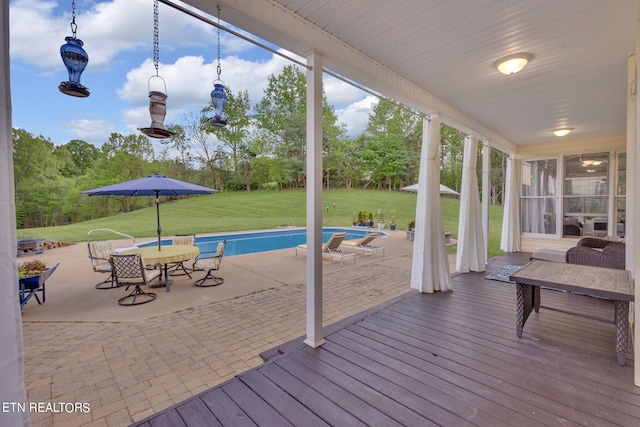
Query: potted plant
380, 218
370, 219
363, 218
411, 229
354, 218
393, 216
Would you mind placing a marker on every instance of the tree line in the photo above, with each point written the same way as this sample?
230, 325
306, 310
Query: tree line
261, 148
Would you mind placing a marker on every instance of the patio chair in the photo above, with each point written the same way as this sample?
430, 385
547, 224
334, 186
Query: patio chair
99, 254
101, 250
129, 270
30, 286
597, 253
332, 248
363, 245
210, 264
178, 269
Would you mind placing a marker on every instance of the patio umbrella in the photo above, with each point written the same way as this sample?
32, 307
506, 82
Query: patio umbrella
152, 185
443, 189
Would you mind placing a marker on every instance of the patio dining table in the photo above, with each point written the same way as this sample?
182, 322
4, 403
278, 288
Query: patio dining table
168, 254
607, 283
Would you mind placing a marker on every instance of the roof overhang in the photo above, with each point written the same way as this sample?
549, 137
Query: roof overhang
437, 57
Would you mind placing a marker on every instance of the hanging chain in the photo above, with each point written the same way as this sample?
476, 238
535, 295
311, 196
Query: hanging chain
219, 68
74, 27
156, 44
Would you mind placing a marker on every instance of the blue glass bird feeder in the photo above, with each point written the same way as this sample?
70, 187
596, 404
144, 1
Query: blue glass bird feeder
75, 58
218, 100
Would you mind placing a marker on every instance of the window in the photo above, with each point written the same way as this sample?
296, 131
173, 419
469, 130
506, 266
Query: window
539, 196
593, 195
621, 195
586, 194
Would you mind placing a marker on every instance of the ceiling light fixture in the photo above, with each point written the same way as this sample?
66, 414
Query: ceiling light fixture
562, 131
591, 162
511, 64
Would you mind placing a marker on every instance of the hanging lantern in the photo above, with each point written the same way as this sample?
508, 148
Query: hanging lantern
218, 94
157, 98
75, 58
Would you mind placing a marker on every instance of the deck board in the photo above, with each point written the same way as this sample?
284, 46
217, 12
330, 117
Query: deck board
312, 399
281, 401
337, 396
226, 411
254, 406
438, 359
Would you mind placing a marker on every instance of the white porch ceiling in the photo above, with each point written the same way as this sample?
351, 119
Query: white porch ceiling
577, 77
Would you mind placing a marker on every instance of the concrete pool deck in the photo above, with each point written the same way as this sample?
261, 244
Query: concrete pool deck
130, 362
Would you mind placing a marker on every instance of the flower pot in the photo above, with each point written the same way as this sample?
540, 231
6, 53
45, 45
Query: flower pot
392, 227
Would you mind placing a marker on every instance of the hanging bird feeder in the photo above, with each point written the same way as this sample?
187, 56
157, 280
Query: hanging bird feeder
75, 59
218, 94
157, 111
157, 98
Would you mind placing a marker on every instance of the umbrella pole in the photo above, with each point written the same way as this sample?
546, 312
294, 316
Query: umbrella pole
158, 216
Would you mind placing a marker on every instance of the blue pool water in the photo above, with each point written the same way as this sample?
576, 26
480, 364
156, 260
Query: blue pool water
262, 241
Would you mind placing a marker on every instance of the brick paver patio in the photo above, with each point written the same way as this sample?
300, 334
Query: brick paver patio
128, 370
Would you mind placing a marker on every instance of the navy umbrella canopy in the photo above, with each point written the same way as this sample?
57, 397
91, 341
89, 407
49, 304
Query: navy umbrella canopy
152, 185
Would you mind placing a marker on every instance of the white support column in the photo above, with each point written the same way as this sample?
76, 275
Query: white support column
314, 201
12, 388
486, 193
632, 231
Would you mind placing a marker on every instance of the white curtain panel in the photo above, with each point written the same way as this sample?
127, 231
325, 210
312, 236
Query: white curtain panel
471, 250
430, 265
510, 240
12, 389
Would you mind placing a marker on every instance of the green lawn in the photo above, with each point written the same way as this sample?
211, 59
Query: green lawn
230, 211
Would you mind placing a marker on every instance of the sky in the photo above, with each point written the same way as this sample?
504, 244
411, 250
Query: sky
118, 38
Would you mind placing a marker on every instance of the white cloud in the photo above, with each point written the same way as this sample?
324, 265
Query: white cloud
340, 93
190, 79
111, 29
356, 115
38, 29
91, 131
189, 82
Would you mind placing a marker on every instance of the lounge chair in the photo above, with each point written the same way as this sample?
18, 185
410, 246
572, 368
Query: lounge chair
363, 245
182, 239
130, 270
210, 264
29, 286
332, 248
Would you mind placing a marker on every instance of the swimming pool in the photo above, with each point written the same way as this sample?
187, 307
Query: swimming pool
262, 241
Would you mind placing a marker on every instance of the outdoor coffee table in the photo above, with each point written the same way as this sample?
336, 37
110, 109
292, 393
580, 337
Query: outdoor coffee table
168, 254
600, 282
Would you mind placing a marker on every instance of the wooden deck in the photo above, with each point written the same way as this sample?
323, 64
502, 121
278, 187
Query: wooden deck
438, 359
